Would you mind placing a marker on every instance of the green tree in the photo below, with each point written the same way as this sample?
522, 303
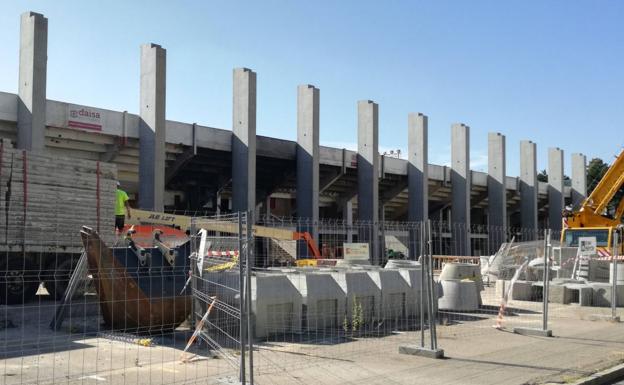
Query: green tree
596, 169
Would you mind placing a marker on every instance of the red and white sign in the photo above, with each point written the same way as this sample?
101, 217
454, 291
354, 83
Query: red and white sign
83, 117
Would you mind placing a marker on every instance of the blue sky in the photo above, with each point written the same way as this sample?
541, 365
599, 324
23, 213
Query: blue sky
548, 71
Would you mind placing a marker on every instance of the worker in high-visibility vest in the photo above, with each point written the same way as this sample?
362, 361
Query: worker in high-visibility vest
122, 206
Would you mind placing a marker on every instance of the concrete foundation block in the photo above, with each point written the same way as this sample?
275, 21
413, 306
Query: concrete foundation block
603, 317
323, 300
415, 350
276, 305
562, 294
581, 293
602, 294
394, 293
459, 295
360, 290
522, 290
413, 277
533, 332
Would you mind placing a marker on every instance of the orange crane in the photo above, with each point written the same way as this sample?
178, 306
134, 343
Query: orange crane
182, 222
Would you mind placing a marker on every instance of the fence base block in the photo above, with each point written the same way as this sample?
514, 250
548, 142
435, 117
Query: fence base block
533, 332
603, 317
415, 350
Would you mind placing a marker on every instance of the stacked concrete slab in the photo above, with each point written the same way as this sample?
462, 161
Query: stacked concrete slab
45, 200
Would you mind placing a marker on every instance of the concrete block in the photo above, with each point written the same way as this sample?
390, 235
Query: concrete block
395, 292
620, 273
522, 290
402, 263
562, 294
413, 277
276, 304
603, 317
323, 300
462, 271
602, 294
415, 350
584, 293
533, 332
459, 295
361, 290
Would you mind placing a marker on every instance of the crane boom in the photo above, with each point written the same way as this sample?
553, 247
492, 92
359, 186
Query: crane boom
606, 189
592, 219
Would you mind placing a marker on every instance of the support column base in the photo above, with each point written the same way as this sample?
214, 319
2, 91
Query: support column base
533, 332
603, 317
415, 350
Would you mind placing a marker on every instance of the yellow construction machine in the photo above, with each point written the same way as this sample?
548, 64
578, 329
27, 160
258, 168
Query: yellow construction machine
592, 218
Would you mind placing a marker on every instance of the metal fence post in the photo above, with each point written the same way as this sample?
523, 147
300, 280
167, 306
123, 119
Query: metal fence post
543, 331
614, 275
432, 295
546, 277
422, 285
242, 295
248, 263
426, 293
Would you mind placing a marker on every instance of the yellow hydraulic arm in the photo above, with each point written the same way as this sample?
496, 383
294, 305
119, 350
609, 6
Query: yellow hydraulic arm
606, 189
591, 213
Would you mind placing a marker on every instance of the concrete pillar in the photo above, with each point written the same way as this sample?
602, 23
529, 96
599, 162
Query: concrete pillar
417, 177
152, 127
31, 90
556, 199
460, 184
347, 216
307, 162
368, 172
244, 140
579, 179
528, 189
308, 152
497, 193
417, 167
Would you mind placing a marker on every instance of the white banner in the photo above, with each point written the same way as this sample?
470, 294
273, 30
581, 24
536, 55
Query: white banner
356, 251
84, 118
587, 246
